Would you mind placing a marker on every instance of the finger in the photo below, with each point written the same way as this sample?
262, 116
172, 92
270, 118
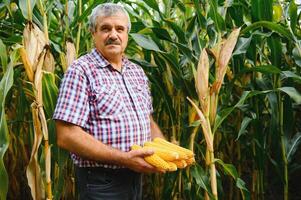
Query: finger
142, 152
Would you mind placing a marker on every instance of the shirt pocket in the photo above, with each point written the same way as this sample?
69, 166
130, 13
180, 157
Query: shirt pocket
142, 96
107, 101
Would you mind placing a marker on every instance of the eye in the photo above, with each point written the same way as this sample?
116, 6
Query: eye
120, 29
105, 29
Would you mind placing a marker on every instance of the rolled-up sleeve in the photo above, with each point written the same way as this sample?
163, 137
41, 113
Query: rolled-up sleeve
73, 101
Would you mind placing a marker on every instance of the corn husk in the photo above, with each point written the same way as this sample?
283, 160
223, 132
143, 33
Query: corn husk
70, 53
49, 63
224, 57
202, 81
28, 67
34, 42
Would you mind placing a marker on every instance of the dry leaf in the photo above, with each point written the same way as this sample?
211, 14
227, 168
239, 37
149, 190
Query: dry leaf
33, 171
205, 126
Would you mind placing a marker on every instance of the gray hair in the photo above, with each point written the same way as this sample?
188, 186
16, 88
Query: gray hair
107, 9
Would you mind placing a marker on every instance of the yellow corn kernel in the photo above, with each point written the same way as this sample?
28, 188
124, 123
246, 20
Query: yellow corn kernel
181, 154
165, 154
180, 163
172, 166
177, 148
190, 161
154, 159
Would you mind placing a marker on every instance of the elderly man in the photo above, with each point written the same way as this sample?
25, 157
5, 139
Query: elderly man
104, 107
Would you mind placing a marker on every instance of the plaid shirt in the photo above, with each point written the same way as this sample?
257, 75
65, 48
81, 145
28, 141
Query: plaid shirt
114, 107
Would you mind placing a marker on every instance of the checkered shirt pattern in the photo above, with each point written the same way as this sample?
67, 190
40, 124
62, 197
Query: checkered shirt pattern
114, 107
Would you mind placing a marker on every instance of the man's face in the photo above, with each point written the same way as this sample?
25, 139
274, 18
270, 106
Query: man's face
111, 35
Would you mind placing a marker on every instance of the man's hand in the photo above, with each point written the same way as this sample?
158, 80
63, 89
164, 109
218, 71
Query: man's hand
134, 160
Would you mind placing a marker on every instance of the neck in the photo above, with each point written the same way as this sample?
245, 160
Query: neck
116, 62
118, 67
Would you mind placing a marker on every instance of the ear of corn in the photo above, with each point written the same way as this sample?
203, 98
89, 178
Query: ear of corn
172, 167
154, 160
181, 154
177, 148
190, 161
34, 42
70, 53
165, 154
180, 163
49, 64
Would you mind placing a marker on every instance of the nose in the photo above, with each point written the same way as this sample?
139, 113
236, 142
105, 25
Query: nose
113, 34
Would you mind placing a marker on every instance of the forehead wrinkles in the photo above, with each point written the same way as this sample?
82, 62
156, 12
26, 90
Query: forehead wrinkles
120, 18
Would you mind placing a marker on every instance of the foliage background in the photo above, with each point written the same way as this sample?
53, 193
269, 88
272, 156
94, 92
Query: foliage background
258, 129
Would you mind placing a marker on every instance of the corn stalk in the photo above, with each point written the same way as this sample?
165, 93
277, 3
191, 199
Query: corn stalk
33, 62
208, 97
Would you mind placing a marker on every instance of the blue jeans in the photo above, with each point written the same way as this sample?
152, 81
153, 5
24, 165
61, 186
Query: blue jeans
96, 183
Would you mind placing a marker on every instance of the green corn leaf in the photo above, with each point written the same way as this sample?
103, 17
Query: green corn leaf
222, 115
215, 16
86, 12
228, 168
231, 170
162, 34
50, 92
24, 5
153, 4
145, 41
3, 56
198, 11
242, 45
293, 145
243, 189
293, 15
297, 55
292, 92
269, 25
245, 122
200, 177
266, 69
5, 85
177, 29
276, 49
290, 74
262, 10
180, 5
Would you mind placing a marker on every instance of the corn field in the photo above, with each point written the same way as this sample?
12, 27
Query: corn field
225, 77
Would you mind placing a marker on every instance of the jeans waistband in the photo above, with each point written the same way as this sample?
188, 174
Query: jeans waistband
106, 170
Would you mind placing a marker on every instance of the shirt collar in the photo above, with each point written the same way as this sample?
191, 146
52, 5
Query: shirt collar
105, 63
